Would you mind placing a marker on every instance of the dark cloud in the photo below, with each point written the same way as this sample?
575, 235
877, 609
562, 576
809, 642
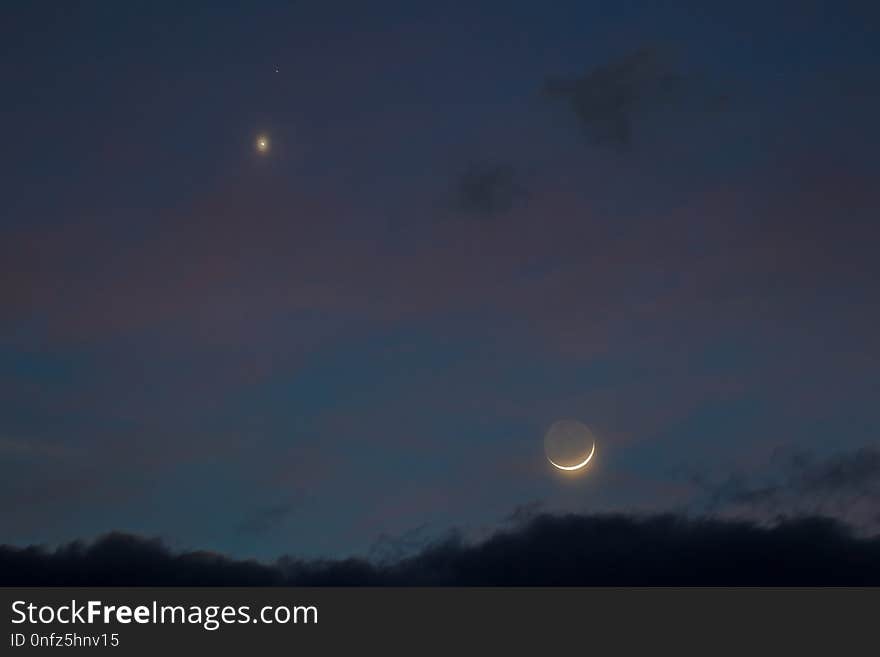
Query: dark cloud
390, 548
546, 550
857, 471
609, 99
489, 188
845, 485
525, 513
122, 558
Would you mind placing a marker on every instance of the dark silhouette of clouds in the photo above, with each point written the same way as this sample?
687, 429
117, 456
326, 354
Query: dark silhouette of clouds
547, 550
389, 548
120, 559
609, 99
525, 513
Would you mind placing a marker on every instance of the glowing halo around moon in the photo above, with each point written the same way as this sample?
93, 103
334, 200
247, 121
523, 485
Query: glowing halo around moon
569, 445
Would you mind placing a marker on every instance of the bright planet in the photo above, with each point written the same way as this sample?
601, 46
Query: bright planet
262, 144
569, 445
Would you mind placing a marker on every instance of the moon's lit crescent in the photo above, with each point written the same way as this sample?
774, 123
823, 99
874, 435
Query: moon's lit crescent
577, 466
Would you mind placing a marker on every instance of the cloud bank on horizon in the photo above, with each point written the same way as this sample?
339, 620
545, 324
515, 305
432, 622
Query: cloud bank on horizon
547, 550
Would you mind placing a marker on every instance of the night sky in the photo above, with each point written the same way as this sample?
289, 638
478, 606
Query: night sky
472, 220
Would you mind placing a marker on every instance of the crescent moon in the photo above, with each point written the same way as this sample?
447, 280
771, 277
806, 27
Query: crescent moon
577, 466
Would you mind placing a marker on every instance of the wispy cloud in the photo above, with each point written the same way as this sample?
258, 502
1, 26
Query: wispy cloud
267, 519
609, 99
488, 189
845, 485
